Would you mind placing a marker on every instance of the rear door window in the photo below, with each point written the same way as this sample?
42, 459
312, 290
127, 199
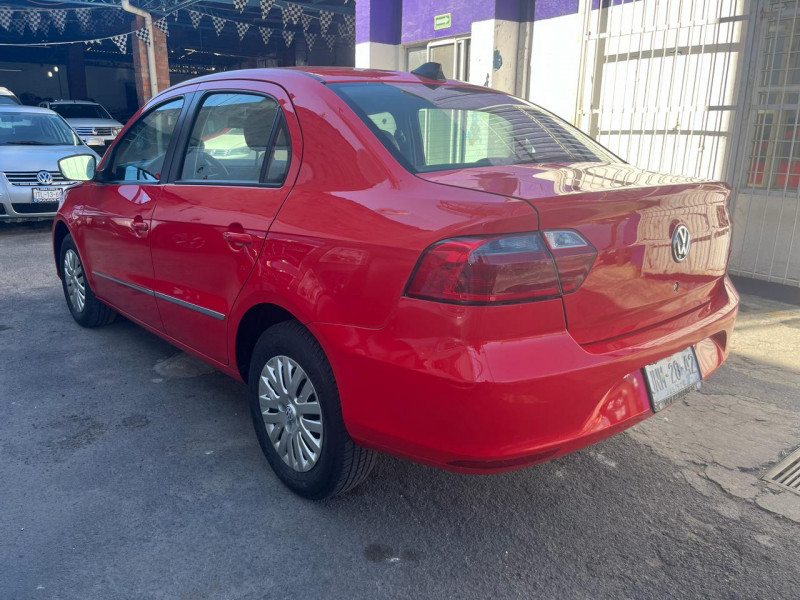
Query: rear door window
230, 139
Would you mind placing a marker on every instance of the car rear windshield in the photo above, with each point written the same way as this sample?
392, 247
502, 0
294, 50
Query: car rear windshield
35, 129
441, 127
81, 111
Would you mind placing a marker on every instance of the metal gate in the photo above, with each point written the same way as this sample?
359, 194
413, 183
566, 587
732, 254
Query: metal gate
765, 169
705, 88
661, 82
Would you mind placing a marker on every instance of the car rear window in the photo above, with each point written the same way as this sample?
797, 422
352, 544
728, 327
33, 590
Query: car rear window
440, 127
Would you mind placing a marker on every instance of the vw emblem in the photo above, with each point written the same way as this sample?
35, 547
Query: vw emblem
44, 178
681, 242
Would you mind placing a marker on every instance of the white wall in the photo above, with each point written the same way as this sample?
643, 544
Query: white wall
489, 36
555, 64
374, 55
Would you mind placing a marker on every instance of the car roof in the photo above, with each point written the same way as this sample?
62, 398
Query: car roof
72, 102
18, 108
323, 75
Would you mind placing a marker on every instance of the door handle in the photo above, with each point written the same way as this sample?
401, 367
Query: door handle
237, 238
139, 226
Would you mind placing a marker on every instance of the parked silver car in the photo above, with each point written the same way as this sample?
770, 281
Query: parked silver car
89, 120
32, 141
8, 97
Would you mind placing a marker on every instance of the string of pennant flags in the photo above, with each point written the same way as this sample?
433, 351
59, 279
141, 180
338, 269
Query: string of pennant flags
40, 20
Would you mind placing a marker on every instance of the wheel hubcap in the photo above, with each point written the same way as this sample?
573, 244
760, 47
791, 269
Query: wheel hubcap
291, 412
73, 276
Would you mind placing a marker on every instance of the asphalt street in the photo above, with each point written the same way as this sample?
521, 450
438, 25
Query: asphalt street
130, 470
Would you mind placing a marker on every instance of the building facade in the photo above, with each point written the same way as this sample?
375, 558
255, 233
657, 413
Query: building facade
704, 88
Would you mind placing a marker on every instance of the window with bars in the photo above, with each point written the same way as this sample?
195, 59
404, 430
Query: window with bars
775, 152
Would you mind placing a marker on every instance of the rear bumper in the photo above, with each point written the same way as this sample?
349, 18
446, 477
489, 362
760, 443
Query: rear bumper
496, 405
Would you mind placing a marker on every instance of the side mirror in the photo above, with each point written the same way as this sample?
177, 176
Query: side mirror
78, 168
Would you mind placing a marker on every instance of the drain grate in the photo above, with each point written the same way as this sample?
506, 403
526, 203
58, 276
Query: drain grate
787, 473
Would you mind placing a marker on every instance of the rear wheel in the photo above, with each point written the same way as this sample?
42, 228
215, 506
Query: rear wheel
297, 416
85, 308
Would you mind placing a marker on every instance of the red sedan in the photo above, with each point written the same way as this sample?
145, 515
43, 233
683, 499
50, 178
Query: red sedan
396, 262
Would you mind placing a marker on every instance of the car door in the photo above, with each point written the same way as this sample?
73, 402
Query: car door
240, 155
117, 215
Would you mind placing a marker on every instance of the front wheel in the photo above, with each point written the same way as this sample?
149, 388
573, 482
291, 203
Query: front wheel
297, 416
85, 308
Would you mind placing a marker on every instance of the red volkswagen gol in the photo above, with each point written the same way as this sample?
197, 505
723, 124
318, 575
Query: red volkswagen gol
396, 262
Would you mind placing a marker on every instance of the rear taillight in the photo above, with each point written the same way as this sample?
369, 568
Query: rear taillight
498, 269
574, 257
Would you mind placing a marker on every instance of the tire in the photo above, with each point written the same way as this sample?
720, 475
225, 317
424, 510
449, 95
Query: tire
87, 311
339, 464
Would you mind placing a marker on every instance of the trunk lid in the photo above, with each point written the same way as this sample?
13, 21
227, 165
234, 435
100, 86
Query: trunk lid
630, 217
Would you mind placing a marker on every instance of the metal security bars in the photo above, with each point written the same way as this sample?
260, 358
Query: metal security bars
661, 81
706, 88
766, 169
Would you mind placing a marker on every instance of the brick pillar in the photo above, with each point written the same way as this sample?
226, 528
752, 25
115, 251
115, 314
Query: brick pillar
140, 70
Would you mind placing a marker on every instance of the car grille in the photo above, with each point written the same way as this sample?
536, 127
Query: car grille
34, 208
93, 130
29, 178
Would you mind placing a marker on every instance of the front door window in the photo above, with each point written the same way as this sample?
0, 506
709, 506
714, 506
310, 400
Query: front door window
139, 155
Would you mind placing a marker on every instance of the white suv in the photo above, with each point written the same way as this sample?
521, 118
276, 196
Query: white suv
90, 121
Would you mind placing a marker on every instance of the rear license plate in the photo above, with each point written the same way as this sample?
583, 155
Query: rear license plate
46, 194
671, 377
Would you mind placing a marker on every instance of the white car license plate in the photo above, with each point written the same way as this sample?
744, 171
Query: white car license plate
47, 194
670, 377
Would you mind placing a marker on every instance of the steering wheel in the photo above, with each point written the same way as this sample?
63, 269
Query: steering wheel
206, 166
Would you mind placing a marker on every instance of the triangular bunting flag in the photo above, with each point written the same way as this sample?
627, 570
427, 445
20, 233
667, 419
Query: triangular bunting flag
330, 40
288, 36
219, 23
5, 16
265, 33
195, 17
121, 41
266, 5
143, 34
84, 16
241, 29
33, 18
310, 39
306, 21
240, 5
291, 13
59, 19
162, 25
114, 15
325, 18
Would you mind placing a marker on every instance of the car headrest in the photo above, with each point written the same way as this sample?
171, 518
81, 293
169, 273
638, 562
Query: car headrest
257, 128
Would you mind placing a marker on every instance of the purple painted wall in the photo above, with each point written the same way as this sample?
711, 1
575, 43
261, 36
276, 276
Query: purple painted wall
418, 16
378, 21
547, 9
408, 21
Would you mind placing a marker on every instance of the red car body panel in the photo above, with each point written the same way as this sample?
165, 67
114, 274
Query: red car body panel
470, 388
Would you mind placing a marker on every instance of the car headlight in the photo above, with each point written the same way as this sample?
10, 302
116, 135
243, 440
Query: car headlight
115, 130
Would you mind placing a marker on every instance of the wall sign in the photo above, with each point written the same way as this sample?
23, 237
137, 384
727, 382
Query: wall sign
442, 21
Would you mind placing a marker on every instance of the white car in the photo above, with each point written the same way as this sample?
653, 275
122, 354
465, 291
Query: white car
89, 120
32, 141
